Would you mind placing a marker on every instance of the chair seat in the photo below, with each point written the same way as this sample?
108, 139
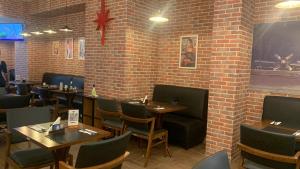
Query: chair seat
252, 165
113, 123
145, 132
32, 157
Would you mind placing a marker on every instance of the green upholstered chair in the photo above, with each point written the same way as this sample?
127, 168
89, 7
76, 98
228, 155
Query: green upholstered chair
106, 154
29, 158
138, 120
217, 161
110, 113
265, 149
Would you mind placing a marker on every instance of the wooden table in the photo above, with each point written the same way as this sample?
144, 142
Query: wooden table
161, 108
69, 94
282, 128
89, 103
59, 142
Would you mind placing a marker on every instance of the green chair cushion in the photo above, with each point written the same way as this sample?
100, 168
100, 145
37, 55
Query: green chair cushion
32, 157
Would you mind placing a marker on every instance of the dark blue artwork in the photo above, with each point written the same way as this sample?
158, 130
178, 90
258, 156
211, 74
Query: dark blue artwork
11, 31
276, 55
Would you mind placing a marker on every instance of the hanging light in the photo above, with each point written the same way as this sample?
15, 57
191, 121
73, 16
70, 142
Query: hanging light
49, 30
66, 28
288, 4
25, 34
158, 18
37, 33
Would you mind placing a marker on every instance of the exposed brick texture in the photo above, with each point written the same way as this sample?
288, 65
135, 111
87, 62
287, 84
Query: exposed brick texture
139, 54
8, 53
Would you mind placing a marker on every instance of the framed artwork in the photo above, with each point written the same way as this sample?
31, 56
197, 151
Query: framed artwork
81, 48
55, 48
276, 56
69, 48
188, 51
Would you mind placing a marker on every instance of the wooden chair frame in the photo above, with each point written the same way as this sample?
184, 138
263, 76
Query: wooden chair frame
163, 136
108, 165
9, 161
116, 130
271, 156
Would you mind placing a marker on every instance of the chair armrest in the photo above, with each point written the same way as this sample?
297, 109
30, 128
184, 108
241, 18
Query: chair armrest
111, 164
108, 113
137, 120
108, 165
64, 165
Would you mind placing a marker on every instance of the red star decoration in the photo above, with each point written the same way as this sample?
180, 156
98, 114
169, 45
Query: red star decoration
102, 20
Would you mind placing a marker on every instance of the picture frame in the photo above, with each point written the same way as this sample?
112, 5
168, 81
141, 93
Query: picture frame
188, 52
69, 48
81, 48
73, 117
55, 48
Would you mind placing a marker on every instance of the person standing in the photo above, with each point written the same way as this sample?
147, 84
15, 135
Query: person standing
3, 74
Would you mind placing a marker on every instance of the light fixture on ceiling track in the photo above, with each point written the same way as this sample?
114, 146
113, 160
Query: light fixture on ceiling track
288, 4
159, 18
49, 30
66, 28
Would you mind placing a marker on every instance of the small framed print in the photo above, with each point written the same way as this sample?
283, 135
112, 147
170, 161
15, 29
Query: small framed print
73, 117
55, 48
69, 48
188, 51
81, 48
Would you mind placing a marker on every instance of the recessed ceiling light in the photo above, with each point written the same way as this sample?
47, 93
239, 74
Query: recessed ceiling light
288, 4
37, 33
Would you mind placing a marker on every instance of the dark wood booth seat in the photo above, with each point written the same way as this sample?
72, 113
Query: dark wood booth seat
186, 128
66, 79
284, 109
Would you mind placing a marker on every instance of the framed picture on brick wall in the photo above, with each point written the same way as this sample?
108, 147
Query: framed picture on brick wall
55, 48
188, 51
69, 48
81, 48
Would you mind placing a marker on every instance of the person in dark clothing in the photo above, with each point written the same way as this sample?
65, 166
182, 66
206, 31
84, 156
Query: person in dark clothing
3, 72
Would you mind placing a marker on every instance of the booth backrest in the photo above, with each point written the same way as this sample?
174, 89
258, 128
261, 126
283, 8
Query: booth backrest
196, 100
284, 109
55, 79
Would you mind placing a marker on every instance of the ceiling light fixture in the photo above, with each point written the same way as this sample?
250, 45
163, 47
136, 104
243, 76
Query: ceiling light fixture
66, 28
49, 30
37, 33
25, 34
288, 4
158, 18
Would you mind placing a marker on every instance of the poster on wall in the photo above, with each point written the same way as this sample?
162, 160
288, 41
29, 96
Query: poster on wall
276, 56
69, 48
81, 48
55, 48
188, 51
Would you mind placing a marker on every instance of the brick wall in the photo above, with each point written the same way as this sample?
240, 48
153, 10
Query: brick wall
265, 12
186, 17
229, 73
8, 53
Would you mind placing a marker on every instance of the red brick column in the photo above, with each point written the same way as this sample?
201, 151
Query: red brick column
229, 73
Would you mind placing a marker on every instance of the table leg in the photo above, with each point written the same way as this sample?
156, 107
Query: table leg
158, 121
70, 98
93, 112
60, 155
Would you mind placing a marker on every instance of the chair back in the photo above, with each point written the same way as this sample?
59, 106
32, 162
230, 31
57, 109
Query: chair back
22, 89
10, 102
2, 91
217, 161
109, 109
100, 152
26, 116
137, 111
270, 142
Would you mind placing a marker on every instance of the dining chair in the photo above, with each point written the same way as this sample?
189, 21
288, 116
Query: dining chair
218, 160
9, 102
260, 148
105, 154
28, 158
2, 91
110, 114
138, 120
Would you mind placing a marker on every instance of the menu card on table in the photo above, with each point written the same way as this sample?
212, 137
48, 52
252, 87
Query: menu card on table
73, 117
